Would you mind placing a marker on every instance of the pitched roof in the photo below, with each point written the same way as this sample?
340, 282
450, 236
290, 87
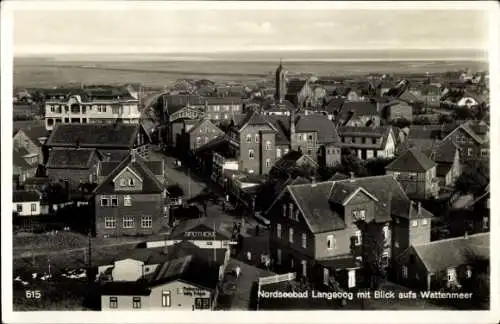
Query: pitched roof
325, 128
290, 159
313, 201
71, 158
18, 159
443, 152
335, 105
94, 135
453, 252
413, 160
254, 118
282, 125
206, 122
124, 288
150, 183
372, 132
148, 256
185, 248
26, 196
359, 108
34, 132
295, 86
190, 269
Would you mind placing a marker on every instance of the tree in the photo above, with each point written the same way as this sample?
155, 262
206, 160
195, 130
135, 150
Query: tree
372, 249
377, 166
462, 113
401, 122
472, 181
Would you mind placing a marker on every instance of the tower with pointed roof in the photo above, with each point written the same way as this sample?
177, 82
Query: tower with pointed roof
280, 83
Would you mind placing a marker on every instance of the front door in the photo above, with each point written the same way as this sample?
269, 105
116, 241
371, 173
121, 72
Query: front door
351, 278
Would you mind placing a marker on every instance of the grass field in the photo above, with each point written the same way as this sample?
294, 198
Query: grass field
32, 73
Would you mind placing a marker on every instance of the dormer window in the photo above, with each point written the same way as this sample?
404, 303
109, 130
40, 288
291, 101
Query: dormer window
249, 138
123, 182
131, 182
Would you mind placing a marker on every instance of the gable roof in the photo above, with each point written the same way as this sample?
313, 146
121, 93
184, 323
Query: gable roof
359, 108
95, 135
147, 256
443, 152
190, 269
150, 184
313, 201
290, 160
412, 160
19, 161
343, 192
253, 118
106, 167
26, 196
71, 158
450, 253
472, 128
335, 105
325, 128
203, 122
34, 132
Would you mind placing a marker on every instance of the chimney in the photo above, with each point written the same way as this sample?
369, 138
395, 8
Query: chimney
466, 235
351, 175
132, 156
313, 180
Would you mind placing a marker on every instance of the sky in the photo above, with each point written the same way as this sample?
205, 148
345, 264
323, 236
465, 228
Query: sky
171, 31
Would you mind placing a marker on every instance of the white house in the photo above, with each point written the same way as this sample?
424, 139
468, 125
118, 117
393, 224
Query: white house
26, 202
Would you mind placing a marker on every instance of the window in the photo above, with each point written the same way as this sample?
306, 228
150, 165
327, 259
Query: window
202, 303
113, 302
251, 154
299, 137
284, 210
225, 116
33, 207
296, 215
425, 221
286, 150
278, 256
278, 152
359, 214
309, 152
414, 223
104, 201
290, 210
136, 302
326, 276
109, 222
304, 240
290, 235
405, 272
412, 175
396, 244
166, 300
268, 163
342, 139
123, 182
268, 145
304, 268
309, 138
397, 174
146, 221
385, 229
385, 259
114, 201
128, 222
127, 201
249, 138
330, 242
484, 152
257, 138
451, 275
363, 140
469, 152
358, 238
19, 208
468, 273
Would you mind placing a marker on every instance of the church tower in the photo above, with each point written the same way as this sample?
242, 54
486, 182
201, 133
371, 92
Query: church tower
280, 83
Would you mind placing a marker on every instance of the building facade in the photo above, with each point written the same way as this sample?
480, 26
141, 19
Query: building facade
90, 106
131, 198
369, 142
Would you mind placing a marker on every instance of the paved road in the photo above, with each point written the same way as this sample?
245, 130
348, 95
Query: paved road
191, 185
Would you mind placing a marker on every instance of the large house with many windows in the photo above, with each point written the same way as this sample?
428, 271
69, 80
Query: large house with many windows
369, 142
87, 106
315, 228
131, 198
